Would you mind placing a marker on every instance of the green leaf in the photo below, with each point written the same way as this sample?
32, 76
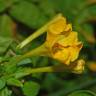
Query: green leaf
20, 73
4, 44
69, 8
82, 93
11, 65
52, 82
35, 60
1, 59
2, 5
31, 88
25, 61
83, 21
88, 28
6, 24
48, 7
2, 83
14, 82
28, 14
5, 92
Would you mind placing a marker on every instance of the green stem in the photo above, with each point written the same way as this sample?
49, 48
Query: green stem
58, 68
37, 33
41, 50
39, 70
28, 71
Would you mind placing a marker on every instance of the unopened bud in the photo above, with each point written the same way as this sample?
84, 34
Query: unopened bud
79, 68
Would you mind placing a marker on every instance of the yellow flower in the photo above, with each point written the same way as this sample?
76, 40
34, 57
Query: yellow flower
57, 27
62, 42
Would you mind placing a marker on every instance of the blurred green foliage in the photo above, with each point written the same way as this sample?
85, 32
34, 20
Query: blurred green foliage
20, 18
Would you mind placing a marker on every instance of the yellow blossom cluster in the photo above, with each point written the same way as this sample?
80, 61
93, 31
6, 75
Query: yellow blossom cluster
62, 42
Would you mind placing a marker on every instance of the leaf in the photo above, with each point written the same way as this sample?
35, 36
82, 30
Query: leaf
4, 44
5, 92
69, 8
35, 60
4, 4
31, 88
51, 83
32, 16
20, 73
89, 29
14, 82
2, 83
48, 7
24, 62
6, 26
82, 93
83, 21
1, 59
11, 65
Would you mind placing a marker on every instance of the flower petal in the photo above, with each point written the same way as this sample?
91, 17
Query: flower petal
71, 39
75, 52
62, 55
58, 26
